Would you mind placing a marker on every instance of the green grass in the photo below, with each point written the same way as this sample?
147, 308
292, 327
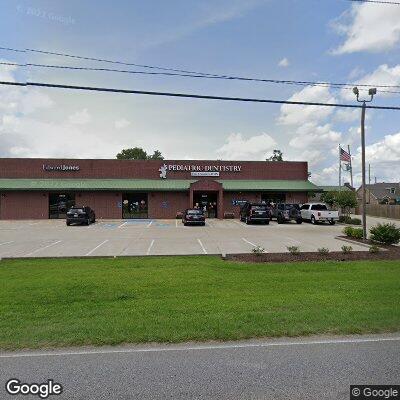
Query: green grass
62, 302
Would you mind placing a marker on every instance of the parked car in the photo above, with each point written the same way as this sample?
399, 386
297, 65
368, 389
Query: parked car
318, 212
284, 212
193, 216
255, 212
80, 215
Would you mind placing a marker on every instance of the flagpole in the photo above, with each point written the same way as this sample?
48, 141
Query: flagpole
351, 167
340, 171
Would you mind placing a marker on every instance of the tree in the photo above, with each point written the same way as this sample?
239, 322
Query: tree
346, 200
329, 197
277, 156
137, 153
156, 156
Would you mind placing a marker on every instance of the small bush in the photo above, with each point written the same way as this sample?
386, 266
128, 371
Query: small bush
258, 250
347, 249
356, 233
344, 219
323, 250
295, 250
374, 249
355, 221
385, 233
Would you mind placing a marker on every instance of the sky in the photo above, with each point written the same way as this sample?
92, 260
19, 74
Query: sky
304, 40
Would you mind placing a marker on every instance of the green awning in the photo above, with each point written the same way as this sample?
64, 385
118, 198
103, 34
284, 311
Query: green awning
149, 185
96, 184
269, 186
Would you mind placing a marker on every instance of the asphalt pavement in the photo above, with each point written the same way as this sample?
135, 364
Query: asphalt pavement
301, 368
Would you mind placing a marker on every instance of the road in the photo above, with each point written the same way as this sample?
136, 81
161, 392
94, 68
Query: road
302, 368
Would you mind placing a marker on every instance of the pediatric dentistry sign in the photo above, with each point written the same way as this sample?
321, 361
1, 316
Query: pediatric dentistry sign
198, 170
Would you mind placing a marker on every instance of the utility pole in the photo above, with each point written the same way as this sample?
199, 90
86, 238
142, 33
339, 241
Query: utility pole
371, 93
340, 171
369, 183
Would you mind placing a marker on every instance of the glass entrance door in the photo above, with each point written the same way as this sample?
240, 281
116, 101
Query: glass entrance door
208, 202
59, 204
134, 205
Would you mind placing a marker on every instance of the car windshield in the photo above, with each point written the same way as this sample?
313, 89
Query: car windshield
319, 207
195, 212
289, 206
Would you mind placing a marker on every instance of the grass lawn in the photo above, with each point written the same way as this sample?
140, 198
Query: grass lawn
63, 302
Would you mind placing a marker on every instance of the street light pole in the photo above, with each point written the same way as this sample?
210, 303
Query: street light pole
371, 92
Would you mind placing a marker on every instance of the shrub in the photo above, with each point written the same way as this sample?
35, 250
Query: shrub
323, 250
347, 249
293, 250
356, 233
258, 250
385, 233
355, 221
344, 219
374, 249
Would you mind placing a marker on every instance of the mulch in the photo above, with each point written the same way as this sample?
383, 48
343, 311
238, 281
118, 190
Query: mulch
389, 253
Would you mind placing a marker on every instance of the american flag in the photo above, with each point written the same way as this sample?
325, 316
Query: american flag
344, 156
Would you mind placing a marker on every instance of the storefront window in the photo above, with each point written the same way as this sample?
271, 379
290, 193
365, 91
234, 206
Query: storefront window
134, 205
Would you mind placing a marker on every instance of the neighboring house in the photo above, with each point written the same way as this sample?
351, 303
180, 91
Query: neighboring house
381, 193
317, 196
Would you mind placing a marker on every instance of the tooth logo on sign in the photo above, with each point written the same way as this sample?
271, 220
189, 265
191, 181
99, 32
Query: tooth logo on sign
163, 171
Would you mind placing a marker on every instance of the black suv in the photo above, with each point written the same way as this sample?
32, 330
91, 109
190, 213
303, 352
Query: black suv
255, 212
287, 212
80, 215
193, 216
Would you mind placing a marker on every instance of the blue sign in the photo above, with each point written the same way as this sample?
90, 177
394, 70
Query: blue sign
119, 204
164, 204
238, 202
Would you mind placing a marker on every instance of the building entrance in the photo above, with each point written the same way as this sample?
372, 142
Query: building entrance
135, 205
59, 204
208, 202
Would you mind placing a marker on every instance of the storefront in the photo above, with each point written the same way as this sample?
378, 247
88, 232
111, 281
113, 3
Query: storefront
46, 188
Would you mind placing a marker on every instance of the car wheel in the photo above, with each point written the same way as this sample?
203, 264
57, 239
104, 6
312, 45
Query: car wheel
313, 221
279, 219
267, 222
331, 222
299, 221
68, 223
87, 221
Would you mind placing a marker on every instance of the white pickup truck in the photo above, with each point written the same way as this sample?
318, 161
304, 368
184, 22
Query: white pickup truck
318, 212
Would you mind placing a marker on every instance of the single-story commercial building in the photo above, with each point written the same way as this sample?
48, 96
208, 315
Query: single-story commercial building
46, 188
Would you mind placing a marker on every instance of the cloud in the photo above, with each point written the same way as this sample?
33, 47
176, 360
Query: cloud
346, 115
383, 75
121, 123
298, 114
254, 148
80, 117
284, 63
368, 27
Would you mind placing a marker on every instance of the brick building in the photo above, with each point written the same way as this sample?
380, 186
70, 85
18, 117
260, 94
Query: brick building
45, 188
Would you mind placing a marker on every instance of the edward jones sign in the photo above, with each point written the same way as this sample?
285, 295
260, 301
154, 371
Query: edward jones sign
62, 168
198, 170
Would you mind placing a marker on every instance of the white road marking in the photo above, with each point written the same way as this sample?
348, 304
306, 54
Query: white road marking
1, 244
149, 223
176, 223
202, 247
91, 251
293, 240
123, 224
240, 223
34, 223
250, 243
41, 248
151, 245
222, 346
208, 224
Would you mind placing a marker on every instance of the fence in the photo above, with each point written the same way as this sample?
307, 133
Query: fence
382, 210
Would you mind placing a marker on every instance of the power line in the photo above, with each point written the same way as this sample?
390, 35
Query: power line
193, 96
377, 2
197, 74
348, 86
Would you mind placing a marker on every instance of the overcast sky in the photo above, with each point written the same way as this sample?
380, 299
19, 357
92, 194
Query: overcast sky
329, 41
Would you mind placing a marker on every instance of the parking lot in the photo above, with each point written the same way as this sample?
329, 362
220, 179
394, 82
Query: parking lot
52, 238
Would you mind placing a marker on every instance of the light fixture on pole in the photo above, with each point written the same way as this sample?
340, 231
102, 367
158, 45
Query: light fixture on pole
372, 93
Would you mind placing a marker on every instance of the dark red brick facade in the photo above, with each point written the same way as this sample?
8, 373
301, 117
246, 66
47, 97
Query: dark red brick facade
35, 205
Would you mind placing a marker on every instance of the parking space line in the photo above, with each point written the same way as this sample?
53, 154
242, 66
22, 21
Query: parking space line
176, 223
151, 245
208, 224
240, 223
91, 251
42, 248
123, 224
1, 244
250, 243
149, 224
202, 246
